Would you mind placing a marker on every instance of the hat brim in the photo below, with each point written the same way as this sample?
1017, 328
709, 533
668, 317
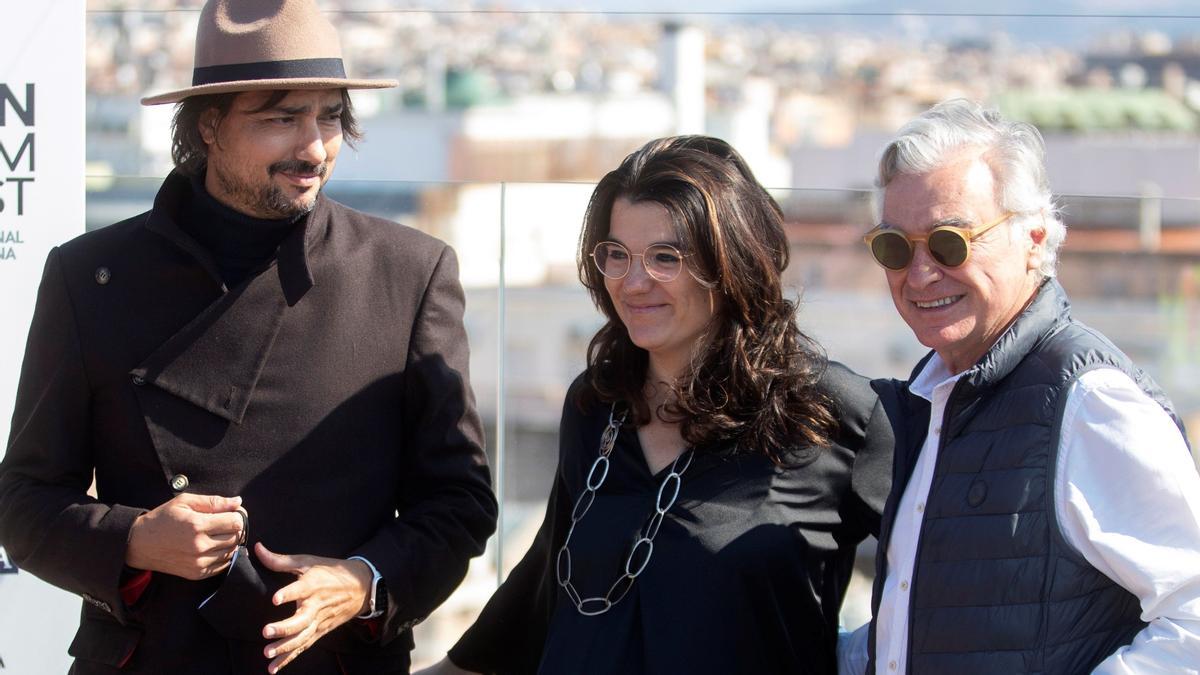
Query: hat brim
260, 85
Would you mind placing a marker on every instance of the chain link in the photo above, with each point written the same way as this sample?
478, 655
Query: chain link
643, 548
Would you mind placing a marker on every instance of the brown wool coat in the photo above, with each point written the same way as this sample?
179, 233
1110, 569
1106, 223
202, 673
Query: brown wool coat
330, 390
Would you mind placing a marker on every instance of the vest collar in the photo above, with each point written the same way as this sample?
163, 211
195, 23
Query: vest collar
1048, 309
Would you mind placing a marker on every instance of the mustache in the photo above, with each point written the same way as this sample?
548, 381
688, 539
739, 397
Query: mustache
299, 167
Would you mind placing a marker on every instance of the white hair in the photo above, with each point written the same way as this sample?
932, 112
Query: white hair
1015, 152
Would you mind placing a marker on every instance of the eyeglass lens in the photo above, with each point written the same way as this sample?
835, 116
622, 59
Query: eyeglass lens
948, 248
894, 251
662, 261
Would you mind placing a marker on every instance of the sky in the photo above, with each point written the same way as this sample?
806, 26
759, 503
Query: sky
1091, 18
1178, 7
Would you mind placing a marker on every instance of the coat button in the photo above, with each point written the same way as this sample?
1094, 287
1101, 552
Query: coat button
179, 482
977, 493
103, 275
138, 380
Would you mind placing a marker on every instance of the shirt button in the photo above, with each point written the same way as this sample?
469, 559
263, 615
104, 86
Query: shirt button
937, 431
893, 665
179, 482
921, 507
904, 585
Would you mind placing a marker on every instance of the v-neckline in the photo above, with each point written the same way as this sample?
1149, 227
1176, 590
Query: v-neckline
640, 452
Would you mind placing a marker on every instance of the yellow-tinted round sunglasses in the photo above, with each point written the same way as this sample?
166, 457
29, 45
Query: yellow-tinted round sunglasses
949, 246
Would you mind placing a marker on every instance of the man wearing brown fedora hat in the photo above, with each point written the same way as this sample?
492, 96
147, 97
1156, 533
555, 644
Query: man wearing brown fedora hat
249, 351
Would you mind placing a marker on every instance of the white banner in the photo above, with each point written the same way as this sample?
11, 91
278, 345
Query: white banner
41, 205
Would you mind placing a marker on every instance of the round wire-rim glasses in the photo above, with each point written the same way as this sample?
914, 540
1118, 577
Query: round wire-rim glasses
949, 246
663, 262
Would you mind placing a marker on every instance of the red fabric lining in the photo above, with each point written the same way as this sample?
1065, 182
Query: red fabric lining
128, 654
132, 589
374, 626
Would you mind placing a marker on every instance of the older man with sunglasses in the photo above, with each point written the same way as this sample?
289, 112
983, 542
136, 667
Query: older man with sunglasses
1045, 516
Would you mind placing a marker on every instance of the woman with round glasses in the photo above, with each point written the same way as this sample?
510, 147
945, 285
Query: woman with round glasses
715, 471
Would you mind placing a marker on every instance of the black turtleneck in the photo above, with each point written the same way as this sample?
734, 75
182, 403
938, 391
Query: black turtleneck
239, 243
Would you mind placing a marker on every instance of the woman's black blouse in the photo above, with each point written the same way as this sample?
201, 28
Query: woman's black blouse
748, 570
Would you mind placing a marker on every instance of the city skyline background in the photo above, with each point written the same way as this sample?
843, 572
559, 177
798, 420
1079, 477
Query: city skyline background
507, 115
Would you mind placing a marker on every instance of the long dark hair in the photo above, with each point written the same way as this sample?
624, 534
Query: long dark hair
752, 378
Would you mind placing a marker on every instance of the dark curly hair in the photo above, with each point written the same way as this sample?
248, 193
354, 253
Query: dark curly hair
190, 153
752, 379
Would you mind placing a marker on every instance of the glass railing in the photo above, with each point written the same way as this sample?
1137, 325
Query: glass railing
499, 111
529, 320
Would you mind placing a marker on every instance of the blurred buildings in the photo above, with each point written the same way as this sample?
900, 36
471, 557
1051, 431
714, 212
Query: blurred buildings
491, 95
504, 120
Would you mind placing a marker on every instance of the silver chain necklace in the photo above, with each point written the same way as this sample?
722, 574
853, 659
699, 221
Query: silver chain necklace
643, 547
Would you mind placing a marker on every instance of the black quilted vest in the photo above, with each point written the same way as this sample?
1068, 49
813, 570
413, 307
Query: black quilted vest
996, 588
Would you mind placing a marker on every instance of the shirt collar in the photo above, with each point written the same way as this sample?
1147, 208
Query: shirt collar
934, 375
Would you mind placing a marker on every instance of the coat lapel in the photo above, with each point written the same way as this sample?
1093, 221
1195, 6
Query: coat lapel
215, 361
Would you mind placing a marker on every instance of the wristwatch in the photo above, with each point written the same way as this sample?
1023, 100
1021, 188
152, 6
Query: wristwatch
377, 595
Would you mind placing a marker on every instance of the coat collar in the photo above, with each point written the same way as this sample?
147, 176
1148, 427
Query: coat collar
294, 261
216, 359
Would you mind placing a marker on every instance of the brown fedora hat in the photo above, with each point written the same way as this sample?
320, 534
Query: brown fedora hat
248, 45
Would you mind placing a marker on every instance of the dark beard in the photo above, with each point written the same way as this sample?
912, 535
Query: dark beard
268, 198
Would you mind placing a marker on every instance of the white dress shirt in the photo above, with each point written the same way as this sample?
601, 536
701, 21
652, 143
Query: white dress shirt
1127, 498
